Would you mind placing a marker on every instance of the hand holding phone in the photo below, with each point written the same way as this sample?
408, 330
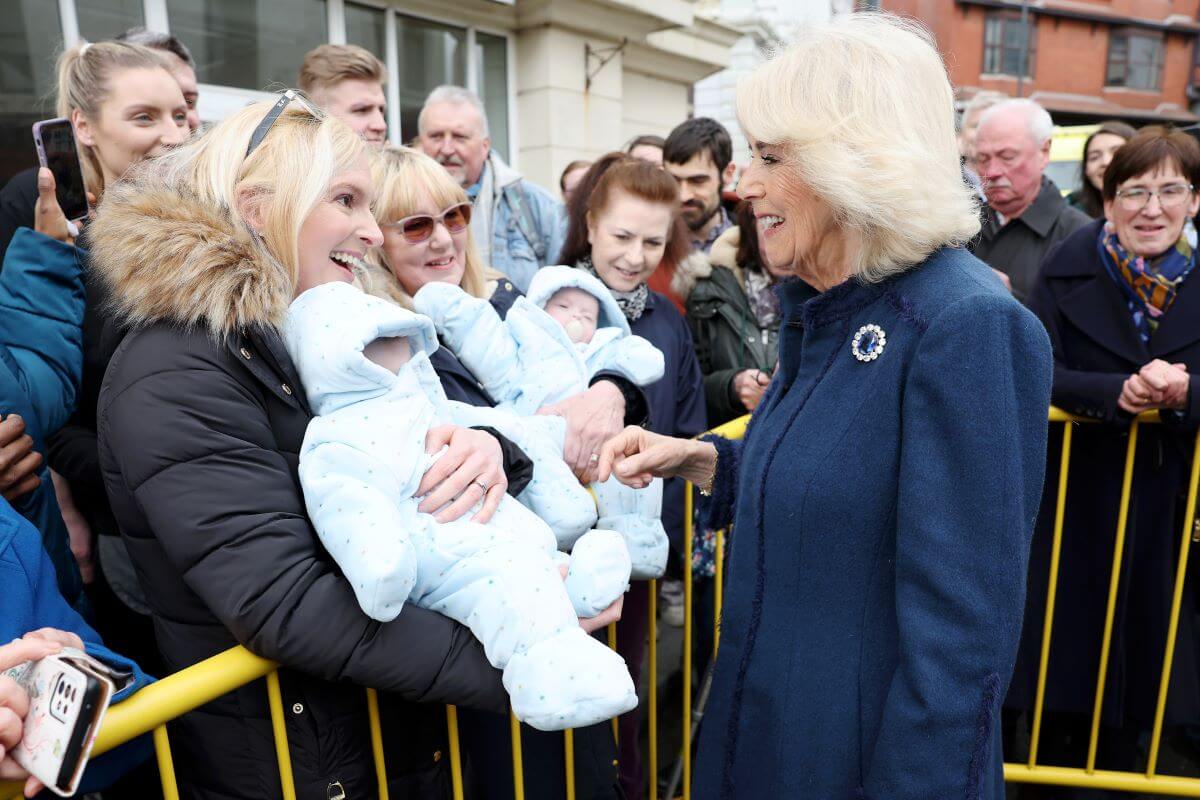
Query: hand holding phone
55, 142
14, 706
68, 692
48, 216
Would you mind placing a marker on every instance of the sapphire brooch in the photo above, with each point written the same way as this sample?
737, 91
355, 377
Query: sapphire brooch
868, 343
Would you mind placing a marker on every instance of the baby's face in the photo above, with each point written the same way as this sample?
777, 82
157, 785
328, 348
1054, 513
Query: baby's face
391, 352
577, 311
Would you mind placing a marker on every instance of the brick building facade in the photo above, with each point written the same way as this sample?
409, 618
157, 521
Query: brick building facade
1088, 60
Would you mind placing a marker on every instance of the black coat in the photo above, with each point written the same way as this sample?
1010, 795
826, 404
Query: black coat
1096, 347
199, 443
1019, 246
199, 425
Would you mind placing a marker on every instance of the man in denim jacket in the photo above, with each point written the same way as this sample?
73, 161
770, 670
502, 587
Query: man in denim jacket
518, 226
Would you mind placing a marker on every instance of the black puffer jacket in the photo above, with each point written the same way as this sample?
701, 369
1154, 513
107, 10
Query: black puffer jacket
200, 422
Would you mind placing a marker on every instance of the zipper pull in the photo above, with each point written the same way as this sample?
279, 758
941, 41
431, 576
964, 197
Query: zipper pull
335, 791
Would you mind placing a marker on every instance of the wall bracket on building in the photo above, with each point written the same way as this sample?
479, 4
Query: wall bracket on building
595, 58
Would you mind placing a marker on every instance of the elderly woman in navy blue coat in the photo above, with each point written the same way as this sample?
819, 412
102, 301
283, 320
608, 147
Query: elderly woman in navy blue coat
1122, 304
883, 500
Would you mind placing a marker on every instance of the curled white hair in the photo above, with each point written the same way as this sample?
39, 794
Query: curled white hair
863, 106
1037, 119
454, 95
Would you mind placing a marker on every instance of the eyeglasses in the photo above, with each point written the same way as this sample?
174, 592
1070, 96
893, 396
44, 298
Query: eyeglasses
285, 99
1170, 196
420, 227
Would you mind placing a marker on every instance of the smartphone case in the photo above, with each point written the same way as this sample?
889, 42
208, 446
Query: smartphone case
68, 695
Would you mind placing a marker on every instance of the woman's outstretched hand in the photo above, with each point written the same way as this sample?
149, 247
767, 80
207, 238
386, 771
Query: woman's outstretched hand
635, 456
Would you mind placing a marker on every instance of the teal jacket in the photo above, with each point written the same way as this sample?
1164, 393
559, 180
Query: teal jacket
41, 361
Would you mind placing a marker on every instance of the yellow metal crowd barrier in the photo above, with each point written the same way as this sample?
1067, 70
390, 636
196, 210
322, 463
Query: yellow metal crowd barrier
152, 708
1148, 782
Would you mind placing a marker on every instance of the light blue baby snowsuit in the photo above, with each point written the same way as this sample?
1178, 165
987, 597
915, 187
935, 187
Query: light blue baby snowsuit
360, 464
527, 361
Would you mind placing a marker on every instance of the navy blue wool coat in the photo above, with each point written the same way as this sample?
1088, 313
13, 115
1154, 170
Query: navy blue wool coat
882, 512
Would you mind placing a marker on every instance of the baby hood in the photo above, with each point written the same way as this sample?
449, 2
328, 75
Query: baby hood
548, 280
325, 331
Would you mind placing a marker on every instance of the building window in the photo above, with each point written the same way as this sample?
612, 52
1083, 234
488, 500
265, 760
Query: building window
491, 78
1135, 59
1005, 41
249, 44
104, 19
367, 28
431, 54
30, 37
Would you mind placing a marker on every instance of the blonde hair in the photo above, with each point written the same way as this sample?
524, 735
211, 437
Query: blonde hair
85, 74
402, 175
330, 64
288, 173
863, 107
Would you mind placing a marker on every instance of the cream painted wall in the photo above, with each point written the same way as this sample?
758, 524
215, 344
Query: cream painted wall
651, 105
558, 121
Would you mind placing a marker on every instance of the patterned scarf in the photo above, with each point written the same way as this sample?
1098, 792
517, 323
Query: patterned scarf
764, 302
632, 303
1149, 287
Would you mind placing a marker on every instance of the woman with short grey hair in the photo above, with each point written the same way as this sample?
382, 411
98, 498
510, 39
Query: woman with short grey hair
883, 498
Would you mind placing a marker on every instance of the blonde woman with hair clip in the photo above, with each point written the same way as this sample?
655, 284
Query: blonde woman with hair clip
201, 421
883, 498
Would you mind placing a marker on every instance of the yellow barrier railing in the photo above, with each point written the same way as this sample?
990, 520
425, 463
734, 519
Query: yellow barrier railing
153, 707
1088, 776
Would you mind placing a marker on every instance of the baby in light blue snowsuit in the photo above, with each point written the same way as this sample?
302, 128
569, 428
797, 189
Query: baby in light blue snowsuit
365, 367
550, 346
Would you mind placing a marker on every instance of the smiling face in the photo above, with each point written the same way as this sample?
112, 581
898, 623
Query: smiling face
628, 239
796, 227
1151, 230
337, 233
143, 115
359, 103
577, 311
441, 257
1099, 155
452, 134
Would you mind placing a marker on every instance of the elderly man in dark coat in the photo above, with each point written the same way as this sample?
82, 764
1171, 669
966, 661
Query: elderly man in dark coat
1025, 214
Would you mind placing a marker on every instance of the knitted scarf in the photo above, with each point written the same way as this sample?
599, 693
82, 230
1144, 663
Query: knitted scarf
1149, 285
632, 304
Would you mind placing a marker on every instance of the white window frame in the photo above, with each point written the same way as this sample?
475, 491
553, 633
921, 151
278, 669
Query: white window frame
217, 101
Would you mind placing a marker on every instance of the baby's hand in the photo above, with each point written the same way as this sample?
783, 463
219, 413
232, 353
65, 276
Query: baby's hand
604, 618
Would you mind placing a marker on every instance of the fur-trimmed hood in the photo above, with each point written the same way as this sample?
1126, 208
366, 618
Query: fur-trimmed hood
165, 256
696, 267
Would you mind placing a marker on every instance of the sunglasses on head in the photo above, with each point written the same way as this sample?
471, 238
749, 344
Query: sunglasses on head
420, 227
285, 99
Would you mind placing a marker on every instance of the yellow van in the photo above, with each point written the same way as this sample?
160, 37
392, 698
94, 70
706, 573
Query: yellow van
1066, 154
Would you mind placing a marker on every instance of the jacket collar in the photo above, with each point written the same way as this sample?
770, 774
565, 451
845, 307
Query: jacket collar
261, 351
803, 304
1042, 212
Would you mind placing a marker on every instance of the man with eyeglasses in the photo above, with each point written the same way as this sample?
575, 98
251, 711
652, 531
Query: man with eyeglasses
518, 226
1025, 214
